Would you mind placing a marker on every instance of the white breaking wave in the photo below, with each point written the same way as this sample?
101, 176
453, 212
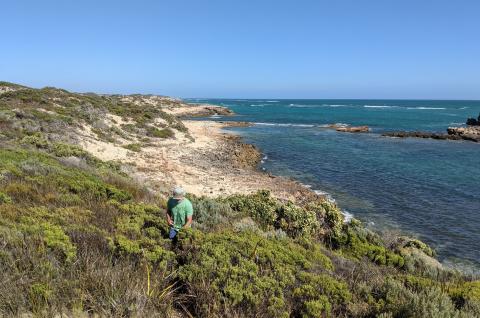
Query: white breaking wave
333, 125
426, 108
379, 106
314, 106
456, 124
301, 106
265, 124
284, 125
348, 216
325, 194
272, 101
257, 105
215, 116
466, 107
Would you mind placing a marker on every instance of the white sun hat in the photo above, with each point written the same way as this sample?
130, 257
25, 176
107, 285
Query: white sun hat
178, 192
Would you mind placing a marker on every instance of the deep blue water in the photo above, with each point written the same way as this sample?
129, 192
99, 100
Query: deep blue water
426, 188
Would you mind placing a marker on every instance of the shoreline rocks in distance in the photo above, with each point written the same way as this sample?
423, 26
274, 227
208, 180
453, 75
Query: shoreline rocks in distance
205, 110
453, 133
470, 133
473, 122
421, 134
353, 129
350, 129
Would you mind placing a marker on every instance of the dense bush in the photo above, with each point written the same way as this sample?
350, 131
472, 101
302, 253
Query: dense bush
296, 221
211, 214
159, 133
245, 274
260, 206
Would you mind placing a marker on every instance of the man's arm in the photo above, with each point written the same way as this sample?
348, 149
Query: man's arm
189, 215
189, 222
169, 212
169, 219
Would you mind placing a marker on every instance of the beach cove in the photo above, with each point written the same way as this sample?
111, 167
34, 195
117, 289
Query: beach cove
389, 183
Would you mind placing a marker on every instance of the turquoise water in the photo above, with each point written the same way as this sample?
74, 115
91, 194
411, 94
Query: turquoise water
427, 188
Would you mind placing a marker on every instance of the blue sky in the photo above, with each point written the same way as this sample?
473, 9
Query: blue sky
246, 49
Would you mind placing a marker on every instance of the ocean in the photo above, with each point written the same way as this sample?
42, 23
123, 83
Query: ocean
426, 188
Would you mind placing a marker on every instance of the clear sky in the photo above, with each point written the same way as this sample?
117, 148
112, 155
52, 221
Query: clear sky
246, 49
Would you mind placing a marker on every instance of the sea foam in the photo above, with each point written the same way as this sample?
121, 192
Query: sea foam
379, 106
285, 125
426, 108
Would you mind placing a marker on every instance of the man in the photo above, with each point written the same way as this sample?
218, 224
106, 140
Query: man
179, 212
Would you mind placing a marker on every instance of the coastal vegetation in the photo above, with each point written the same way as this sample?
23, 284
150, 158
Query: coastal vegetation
81, 237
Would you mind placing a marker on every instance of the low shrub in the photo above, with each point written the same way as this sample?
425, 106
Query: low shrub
211, 214
133, 147
4, 198
67, 150
357, 241
260, 206
296, 221
37, 140
254, 276
159, 133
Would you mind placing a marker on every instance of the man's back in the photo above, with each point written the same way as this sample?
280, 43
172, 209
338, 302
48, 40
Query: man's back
179, 210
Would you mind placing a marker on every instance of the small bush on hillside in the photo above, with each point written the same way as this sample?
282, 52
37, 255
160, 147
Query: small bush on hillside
260, 206
159, 133
358, 242
67, 150
4, 198
296, 221
133, 147
37, 140
211, 213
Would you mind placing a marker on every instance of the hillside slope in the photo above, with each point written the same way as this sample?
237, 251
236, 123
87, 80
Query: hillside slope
80, 236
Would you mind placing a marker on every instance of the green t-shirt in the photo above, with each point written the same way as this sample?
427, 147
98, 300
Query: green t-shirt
179, 211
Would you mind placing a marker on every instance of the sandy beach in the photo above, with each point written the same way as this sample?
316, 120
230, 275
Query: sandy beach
207, 161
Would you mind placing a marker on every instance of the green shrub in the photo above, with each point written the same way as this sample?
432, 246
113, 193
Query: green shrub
133, 147
317, 293
296, 221
249, 274
40, 294
465, 291
37, 140
260, 206
432, 303
159, 133
357, 241
409, 242
329, 215
4, 198
211, 213
67, 150
52, 235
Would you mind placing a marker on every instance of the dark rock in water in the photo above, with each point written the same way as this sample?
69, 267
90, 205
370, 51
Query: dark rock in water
473, 121
421, 134
453, 133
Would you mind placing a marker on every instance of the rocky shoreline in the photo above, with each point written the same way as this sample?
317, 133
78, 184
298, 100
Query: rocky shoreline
453, 133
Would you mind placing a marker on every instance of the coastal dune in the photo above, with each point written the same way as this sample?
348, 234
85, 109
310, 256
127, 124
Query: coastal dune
84, 180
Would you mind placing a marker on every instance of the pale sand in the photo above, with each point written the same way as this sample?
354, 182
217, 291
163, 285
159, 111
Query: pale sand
207, 166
